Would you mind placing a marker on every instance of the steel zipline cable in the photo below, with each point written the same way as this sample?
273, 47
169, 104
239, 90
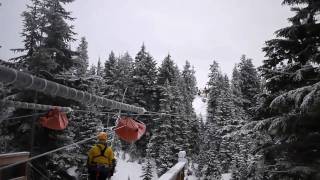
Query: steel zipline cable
18, 117
53, 151
100, 113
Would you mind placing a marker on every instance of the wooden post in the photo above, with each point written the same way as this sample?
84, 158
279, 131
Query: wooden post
18, 172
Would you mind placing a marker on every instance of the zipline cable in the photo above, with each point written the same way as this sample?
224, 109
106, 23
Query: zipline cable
18, 117
147, 113
53, 151
47, 153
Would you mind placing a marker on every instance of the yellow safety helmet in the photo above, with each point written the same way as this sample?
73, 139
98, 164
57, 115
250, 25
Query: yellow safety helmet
102, 136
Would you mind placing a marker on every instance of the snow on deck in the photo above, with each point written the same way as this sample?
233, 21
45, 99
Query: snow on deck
173, 172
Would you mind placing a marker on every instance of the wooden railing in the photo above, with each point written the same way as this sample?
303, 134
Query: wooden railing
177, 172
18, 172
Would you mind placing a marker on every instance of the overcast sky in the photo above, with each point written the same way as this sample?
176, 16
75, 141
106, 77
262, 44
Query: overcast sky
199, 31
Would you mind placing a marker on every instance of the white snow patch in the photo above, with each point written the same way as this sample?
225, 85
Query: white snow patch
125, 169
200, 106
226, 176
192, 177
72, 171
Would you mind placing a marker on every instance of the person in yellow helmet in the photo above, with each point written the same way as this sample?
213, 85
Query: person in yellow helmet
101, 161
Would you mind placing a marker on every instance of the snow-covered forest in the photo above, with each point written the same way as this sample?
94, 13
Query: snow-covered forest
261, 123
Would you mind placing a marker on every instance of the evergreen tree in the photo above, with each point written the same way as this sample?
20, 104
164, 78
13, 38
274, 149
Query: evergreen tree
208, 155
235, 87
110, 66
171, 130
143, 91
99, 68
249, 83
83, 58
93, 70
58, 34
144, 79
46, 41
124, 77
214, 86
32, 29
290, 112
190, 87
147, 168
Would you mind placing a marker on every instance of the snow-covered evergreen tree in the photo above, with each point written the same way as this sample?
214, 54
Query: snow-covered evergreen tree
290, 112
124, 78
110, 66
144, 78
99, 68
249, 83
147, 168
58, 34
143, 91
47, 36
32, 27
82, 59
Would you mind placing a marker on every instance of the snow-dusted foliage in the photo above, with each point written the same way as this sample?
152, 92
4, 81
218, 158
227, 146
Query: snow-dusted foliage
290, 111
252, 130
225, 144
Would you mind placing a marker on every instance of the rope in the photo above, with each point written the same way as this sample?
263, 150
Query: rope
147, 113
18, 117
119, 114
53, 151
47, 153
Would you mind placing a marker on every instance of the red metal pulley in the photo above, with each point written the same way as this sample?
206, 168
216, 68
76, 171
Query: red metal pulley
54, 119
129, 129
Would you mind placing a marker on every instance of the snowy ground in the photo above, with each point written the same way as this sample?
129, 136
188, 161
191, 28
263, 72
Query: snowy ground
126, 170
200, 106
132, 170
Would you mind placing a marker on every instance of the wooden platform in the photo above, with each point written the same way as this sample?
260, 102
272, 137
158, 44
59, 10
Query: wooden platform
18, 172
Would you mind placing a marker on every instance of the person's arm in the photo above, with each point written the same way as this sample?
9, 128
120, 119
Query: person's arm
90, 156
111, 157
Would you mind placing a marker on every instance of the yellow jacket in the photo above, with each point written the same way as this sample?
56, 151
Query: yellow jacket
95, 158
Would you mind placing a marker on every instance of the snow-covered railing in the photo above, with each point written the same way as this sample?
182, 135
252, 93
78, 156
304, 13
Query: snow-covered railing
177, 171
27, 81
